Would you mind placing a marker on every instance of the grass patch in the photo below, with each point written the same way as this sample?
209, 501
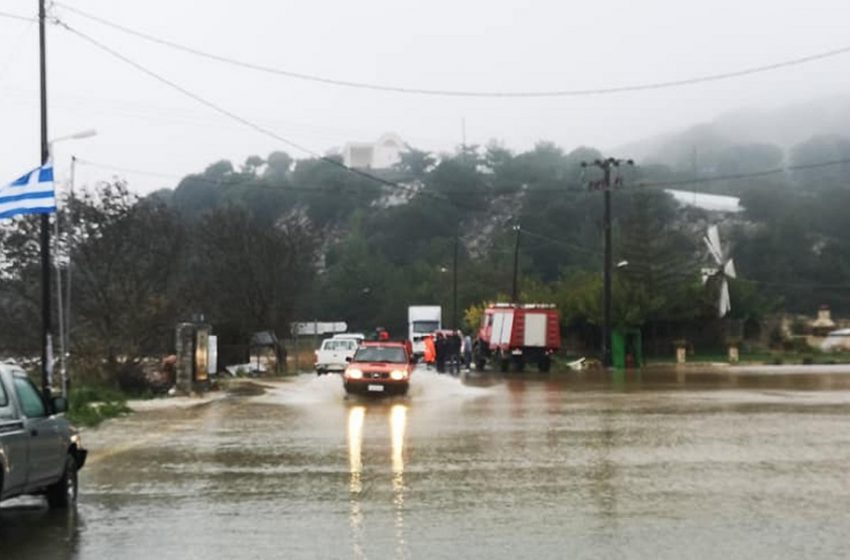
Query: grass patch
91, 405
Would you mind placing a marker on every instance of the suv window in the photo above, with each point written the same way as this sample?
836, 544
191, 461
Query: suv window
4, 398
30, 398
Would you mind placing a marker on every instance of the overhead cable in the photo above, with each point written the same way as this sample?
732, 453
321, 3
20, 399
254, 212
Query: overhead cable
737, 176
200, 178
464, 93
235, 117
18, 16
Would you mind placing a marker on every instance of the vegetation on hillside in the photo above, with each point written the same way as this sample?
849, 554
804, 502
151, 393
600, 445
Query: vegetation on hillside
279, 240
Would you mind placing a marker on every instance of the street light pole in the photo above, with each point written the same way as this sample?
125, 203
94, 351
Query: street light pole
66, 341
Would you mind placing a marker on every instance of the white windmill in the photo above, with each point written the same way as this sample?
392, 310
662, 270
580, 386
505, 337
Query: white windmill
725, 269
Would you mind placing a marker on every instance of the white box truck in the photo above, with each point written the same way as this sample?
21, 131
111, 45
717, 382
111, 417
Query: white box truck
422, 320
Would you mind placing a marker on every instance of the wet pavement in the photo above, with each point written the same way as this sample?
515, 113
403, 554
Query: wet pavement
722, 463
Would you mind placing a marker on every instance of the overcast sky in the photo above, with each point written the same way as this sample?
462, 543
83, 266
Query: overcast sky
438, 44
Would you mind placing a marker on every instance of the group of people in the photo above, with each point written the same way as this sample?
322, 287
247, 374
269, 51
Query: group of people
447, 351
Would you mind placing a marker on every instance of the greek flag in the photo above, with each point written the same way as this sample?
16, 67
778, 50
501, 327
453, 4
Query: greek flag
31, 194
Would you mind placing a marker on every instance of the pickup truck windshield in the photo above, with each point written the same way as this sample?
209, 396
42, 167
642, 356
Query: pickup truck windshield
30, 398
380, 354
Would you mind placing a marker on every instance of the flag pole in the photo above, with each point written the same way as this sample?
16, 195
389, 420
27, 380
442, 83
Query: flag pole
46, 350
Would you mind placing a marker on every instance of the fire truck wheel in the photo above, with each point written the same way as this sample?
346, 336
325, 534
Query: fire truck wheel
519, 364
504, 362
544, 364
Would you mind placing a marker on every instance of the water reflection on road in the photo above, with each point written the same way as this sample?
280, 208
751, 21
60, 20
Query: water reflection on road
654, 464
398, 424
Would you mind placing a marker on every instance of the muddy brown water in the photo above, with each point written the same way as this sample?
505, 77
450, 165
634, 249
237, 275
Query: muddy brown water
716, 463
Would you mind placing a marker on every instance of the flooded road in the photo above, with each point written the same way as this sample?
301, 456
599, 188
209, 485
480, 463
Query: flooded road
659, 464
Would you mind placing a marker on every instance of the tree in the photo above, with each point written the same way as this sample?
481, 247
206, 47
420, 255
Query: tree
20, 287
124, 257
416, 163
252, 163
245, 276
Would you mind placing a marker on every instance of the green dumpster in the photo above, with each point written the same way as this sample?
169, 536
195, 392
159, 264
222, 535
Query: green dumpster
626, 348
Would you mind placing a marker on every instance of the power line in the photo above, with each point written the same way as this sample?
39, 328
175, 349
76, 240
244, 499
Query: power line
754, 174
197, 178
259, 184
16, 47
233, 116
717, 178
561, 242
283, 189
464, 93
17, 17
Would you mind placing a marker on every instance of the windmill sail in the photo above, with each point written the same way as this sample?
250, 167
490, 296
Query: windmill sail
712, 241
724, 304
725, 269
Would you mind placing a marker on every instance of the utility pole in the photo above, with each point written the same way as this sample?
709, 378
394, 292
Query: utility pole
46, 342
515, 287
605, 185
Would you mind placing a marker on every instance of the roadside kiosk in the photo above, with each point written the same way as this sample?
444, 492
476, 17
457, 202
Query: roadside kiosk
192, 343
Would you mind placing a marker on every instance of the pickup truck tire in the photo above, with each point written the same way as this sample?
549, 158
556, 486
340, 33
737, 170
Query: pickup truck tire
63, 494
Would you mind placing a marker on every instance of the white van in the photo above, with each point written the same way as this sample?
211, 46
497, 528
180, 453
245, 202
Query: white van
331, 356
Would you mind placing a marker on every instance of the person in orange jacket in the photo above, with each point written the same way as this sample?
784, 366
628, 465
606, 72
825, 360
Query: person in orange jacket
430, 355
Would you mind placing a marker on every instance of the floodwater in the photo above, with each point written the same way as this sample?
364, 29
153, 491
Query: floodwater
722, 463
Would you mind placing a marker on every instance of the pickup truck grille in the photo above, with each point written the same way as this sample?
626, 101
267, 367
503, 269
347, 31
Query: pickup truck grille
376, 375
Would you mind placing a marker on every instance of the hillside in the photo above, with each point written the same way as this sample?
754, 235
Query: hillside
782, 127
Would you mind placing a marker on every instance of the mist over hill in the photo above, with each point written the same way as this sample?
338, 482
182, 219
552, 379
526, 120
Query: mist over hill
697, 145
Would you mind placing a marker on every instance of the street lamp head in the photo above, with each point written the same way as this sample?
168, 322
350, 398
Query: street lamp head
76, 136
84, 134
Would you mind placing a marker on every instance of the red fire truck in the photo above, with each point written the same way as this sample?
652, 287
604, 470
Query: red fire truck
518, 334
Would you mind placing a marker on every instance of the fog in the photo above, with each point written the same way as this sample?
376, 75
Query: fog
493, 46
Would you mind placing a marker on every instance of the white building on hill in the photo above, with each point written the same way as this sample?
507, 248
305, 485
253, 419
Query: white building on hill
382, 154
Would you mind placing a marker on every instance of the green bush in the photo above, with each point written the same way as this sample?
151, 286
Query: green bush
90, 405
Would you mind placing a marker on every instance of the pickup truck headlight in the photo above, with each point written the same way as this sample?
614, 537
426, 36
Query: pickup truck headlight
354, 373
398, 374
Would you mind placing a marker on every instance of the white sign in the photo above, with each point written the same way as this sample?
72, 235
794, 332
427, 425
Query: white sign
317, 327
212, 354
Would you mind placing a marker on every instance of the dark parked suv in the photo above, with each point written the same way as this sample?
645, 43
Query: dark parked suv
40, 452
